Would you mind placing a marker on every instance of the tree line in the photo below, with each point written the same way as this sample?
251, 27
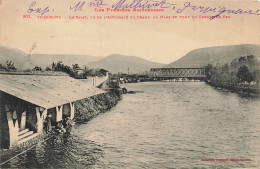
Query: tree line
242, 71
75, 71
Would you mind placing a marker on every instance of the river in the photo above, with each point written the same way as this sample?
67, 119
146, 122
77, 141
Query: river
167, 125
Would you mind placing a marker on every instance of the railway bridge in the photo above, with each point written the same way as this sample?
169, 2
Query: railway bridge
178, 74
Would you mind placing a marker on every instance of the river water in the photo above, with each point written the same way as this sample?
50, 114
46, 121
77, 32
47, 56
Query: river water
169, 125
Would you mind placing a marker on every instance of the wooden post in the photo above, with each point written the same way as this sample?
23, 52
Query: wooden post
38, 115
59, 113
72, 110
40, 119
23, 120
13, 126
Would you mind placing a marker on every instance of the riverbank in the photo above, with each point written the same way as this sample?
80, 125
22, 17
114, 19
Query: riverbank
85, 109
241, 89
88, 108
7, 154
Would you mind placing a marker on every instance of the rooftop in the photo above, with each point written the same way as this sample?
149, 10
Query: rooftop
46, 91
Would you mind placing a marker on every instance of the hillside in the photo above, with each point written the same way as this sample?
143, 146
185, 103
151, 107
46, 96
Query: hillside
214, 55
20, 59
23, 61
114, 63
44, 60
119, 63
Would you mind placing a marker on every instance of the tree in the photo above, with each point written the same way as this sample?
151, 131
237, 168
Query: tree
48, 69
37, 68
103, 72
208, 71
1, 66
244, 75
75, 66
9, 66
53, 66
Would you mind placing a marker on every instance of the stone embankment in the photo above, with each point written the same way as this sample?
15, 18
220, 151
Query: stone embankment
87, 108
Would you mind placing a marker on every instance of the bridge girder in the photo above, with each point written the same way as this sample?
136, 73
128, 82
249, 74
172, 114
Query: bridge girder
178, 72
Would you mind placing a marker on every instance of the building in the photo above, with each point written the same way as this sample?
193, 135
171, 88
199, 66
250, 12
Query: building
27, 99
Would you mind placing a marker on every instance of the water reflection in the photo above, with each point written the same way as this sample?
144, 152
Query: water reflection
169, 125
61, 151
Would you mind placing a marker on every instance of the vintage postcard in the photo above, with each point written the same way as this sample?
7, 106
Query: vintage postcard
130, 83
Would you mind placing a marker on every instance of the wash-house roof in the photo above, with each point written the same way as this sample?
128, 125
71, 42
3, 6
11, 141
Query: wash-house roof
45, 90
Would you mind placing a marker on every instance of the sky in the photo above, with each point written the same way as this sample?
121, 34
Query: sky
158, 40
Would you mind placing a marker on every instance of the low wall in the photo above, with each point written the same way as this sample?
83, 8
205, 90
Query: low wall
87, 108
94, 81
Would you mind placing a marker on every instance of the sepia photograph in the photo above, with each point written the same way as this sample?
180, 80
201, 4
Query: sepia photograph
138, 84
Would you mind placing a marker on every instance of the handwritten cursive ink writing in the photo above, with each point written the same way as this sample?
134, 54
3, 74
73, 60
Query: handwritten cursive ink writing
37, 10
220, 10
98, 4
123, 4
78, 6
132, 4
237, 11
194, 7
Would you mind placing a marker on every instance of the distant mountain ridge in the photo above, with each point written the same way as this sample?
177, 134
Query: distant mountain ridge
23, 61
114, 63
120, 63
213, 55
20, 59
44, 60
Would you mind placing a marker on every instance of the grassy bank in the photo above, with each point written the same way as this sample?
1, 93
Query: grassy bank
240, 89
